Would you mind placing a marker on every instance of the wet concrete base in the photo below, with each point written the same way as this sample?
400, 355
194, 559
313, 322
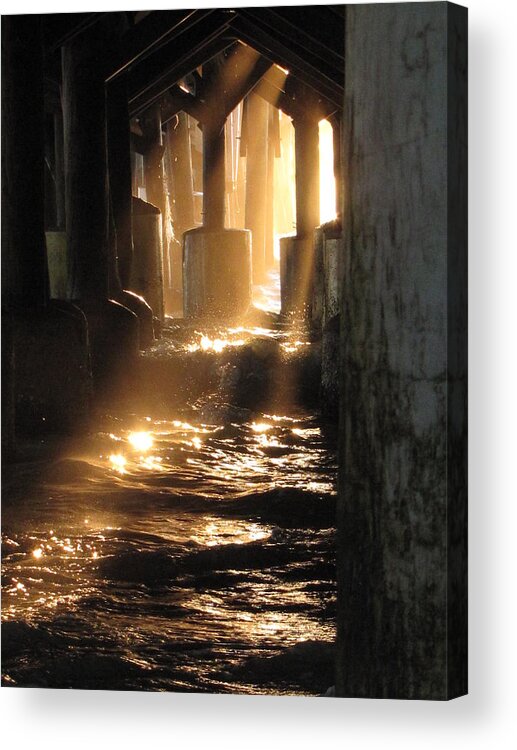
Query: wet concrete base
329, 393
147, 268
296, 275
114, 344
143, 312
216, 273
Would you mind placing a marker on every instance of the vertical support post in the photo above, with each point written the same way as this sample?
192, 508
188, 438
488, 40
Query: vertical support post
214, 163
272, 134
181, 161
402, 502
306, 145
256, 180
86, 174
59, 169
153, 164
119, 165
337, 123
24, 266
214, 182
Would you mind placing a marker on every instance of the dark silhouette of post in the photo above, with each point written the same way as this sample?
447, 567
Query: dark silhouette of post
256, 179
24, 266
119, 165
86, 168
306, 144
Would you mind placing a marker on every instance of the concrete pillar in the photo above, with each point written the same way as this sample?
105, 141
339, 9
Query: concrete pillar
256, 180
402, 615
24, 270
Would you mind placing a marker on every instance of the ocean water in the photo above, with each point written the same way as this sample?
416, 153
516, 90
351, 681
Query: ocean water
185, 542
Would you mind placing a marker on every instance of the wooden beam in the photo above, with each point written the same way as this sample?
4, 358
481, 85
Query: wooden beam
301, 34
317, 77
156, 67
178, 100
183, 65
152, 33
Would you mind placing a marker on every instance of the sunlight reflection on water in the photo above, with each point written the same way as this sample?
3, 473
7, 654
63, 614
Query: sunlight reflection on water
177, 546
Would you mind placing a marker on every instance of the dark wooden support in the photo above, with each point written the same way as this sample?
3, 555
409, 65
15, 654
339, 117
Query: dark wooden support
256, 180
49, 178
214, 183
181, 167
321, 78
306, 140
154, 75
84, 114
153, 164
24, 267
214, 177
269, 246
151, 33
59, 169
119, 165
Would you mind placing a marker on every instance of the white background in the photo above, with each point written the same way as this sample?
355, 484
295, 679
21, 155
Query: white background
485, 719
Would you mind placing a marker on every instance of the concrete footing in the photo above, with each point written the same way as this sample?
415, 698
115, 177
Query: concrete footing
329, 388
52, 376
296, 274
327, 282
143, 312
216, 272
57, 261
147, 271
114, 343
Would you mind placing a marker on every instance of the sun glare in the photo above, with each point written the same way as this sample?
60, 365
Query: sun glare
118, 462
327, 179
141, 441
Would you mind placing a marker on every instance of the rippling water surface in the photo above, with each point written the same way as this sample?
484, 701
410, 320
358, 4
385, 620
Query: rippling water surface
189, 548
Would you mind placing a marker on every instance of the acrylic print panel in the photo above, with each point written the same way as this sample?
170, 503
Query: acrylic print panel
234, 350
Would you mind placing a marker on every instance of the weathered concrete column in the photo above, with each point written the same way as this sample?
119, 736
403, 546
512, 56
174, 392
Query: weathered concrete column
256, 180
402, 615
